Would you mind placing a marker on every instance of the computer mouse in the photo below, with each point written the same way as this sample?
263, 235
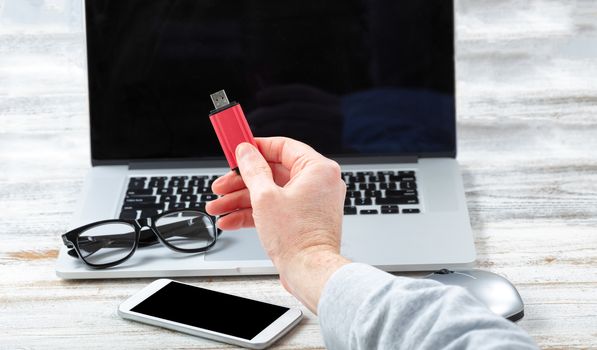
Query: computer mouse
493, 290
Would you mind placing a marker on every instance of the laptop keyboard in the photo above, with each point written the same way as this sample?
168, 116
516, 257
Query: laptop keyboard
381, 192
148, 196
367, 193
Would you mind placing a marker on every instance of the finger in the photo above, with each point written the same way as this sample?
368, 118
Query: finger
231, 182
228, 183
285, 151
229, 203
239, 219
254, 169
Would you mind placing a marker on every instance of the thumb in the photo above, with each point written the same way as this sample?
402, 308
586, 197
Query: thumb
254, 169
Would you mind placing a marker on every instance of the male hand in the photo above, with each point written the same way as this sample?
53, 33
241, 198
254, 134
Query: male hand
294, 197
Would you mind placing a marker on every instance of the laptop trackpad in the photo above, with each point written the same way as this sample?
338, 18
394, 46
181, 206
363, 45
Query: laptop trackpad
237, 245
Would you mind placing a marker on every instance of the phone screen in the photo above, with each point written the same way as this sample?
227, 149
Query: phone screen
207, 309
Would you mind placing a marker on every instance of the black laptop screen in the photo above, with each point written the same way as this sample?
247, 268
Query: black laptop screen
349, 78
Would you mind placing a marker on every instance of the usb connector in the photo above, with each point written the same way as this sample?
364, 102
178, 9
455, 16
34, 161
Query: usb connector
230, 125
219, 99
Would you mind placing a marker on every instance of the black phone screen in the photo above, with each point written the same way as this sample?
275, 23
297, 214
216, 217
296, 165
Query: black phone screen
207, 309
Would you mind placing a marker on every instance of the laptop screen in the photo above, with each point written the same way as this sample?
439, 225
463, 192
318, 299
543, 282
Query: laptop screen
350, 78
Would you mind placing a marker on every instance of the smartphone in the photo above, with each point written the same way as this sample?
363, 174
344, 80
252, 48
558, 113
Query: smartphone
210, 314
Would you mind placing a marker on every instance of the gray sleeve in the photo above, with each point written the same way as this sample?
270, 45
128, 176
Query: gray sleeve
362, 307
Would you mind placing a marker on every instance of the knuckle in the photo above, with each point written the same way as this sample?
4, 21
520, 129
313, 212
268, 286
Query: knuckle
330, 169
335, 168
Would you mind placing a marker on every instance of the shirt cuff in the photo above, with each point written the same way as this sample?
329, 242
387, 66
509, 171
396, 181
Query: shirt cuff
343, 294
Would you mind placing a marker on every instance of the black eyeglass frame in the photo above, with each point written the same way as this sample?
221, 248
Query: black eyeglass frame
70, 238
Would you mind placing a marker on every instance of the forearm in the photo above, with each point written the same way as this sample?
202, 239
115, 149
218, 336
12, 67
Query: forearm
364, 308
307, 273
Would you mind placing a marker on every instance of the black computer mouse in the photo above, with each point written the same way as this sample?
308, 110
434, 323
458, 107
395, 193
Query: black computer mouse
493, 290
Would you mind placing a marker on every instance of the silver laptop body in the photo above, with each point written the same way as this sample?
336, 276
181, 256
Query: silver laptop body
394, 125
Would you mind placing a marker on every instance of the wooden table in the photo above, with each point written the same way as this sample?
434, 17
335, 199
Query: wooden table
527, 128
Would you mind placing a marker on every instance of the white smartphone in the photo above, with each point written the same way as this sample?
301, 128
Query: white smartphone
210, 314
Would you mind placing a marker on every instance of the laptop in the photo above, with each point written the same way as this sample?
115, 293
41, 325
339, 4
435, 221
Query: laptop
370, 84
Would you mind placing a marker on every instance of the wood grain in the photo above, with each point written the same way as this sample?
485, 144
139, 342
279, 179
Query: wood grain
527, 127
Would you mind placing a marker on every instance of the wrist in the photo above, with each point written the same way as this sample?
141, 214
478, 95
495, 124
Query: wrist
306, 274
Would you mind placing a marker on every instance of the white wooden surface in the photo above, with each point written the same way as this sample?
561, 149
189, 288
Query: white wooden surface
527, 83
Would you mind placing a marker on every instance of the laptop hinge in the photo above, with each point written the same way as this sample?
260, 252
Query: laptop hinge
376, 160
178, 164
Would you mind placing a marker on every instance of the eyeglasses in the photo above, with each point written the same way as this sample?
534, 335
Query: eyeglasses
111, 242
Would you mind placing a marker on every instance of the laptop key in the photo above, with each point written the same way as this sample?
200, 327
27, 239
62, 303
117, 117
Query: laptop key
407, 178
408, 185
143, 199
375, 178
406, 173
128, 215
347, 202
157, 183
136, 184
158, 178
139, 192
205, 190
387, 186
350, 210
357, 178
401, 193
367, 187
402, 178
368, 211
196, 183
390, 211
145, 213
353, 194
410, 211
185, 190
139, 206
208, 197
176, 183
396, 200
179, 205
188, 198
165, 191
170, 198
363, 201
200, 206
372, 194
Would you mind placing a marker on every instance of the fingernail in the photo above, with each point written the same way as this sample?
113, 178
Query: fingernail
217, 181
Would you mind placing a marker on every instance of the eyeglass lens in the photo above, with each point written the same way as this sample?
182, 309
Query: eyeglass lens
186, 229
106, 243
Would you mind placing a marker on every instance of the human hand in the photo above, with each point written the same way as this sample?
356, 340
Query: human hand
294, 197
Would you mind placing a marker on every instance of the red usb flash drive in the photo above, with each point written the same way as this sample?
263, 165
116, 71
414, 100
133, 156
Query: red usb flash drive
230, 125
